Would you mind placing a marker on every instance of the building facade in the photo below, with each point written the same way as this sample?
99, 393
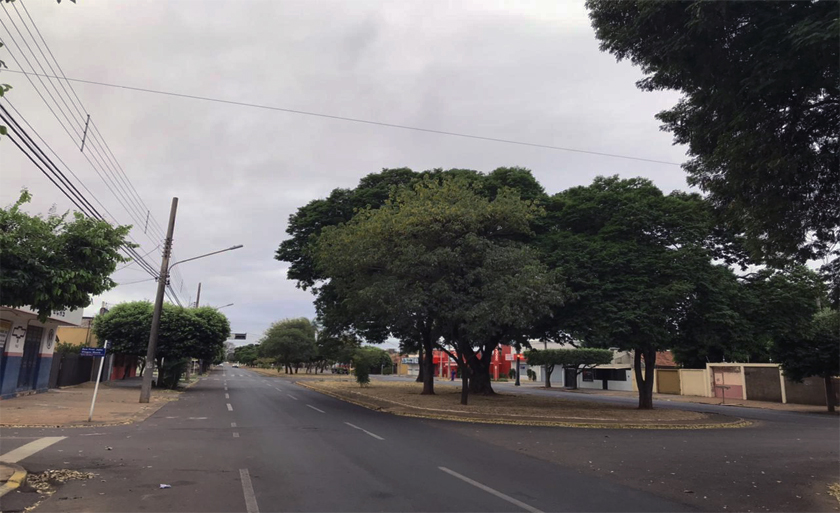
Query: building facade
27, 348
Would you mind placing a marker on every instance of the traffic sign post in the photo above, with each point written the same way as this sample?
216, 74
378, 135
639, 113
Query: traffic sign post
100, 352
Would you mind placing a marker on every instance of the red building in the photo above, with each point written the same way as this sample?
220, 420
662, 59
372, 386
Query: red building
500, 364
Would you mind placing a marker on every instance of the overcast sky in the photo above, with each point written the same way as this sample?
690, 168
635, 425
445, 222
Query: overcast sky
529, 71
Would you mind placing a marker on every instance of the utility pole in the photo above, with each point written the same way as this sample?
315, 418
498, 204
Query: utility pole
146, 387
198, 295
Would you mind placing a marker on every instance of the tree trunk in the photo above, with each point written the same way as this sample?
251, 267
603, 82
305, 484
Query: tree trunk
830, 396
548, 370
645, 383
427, 369
480, 382
420, 373
465, 384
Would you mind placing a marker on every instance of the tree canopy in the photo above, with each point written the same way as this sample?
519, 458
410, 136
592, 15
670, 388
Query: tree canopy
632, 257
290, 342
54, 263
759, 111
438, 261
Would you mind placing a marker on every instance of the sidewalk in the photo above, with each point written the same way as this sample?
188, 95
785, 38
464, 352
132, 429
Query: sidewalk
69, 407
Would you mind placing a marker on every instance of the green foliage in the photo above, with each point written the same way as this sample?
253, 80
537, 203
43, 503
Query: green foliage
183, 332
50, 263
570, 358
439, 260
377, 359
815, 351
65, 348
759, 109
632, 257
289, 342
264, 363
362, 362
246, 354
512, 374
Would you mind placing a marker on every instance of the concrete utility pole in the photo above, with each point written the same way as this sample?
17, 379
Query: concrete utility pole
198, 295
146, 387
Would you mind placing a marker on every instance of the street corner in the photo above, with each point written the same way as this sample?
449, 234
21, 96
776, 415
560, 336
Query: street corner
12, 476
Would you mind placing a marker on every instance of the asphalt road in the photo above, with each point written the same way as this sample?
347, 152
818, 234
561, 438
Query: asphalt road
238, 441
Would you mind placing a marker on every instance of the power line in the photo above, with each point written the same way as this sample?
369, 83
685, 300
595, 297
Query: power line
366, 121
127, 201
67, 188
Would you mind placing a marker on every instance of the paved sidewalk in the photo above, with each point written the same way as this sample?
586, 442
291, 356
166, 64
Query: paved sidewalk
69, 407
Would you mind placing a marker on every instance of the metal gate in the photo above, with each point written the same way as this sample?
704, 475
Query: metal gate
31, 346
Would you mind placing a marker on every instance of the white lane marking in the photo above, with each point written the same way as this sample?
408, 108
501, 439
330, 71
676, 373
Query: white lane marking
24, 451
278, 389
293, 397
365, 430
233, 424
236, 435
248, 491
230, 408
491, 491
225, 388
227, 396
316, 409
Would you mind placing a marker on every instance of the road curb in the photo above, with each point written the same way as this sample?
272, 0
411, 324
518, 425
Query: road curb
14, 482
737, 423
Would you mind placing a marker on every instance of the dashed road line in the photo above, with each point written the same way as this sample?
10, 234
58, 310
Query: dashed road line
248, 491
24, 451
230, 408
233, 424
227, 396
491, 491
235, 435
365, 430
316, 409
293, 397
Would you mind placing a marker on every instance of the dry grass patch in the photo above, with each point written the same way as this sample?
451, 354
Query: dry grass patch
302, 375
405, 399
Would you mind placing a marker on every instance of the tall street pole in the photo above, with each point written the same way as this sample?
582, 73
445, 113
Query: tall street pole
146, 387
198, 295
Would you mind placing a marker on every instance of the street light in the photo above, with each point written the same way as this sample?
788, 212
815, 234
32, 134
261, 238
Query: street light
219, 308
163, 278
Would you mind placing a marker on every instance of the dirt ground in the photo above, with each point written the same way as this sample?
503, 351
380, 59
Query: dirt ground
300, 375
405, 399
65, 407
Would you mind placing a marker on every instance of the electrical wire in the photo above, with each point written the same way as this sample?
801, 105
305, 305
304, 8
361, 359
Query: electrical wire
366, 121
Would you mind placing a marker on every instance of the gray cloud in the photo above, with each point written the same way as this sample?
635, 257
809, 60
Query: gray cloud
530, 72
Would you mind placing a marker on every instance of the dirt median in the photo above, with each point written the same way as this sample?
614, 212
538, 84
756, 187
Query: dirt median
504, 408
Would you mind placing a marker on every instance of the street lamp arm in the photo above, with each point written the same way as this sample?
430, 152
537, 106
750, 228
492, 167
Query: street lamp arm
206, 255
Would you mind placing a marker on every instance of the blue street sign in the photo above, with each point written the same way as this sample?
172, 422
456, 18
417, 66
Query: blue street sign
93, 351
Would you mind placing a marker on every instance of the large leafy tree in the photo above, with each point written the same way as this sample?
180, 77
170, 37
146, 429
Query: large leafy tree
632, 257
440, 262
759, 112
215, 331
290, 342
182, 333
246, 354
56, 262
814, 352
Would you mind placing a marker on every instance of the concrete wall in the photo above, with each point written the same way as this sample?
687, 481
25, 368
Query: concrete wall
77, 336
810, 391
694, 382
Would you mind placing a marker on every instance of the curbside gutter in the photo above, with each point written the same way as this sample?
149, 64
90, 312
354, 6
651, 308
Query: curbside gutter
17, 478
736, 423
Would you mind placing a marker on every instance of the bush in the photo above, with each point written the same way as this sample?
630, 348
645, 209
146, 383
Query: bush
512, 374
361, 362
